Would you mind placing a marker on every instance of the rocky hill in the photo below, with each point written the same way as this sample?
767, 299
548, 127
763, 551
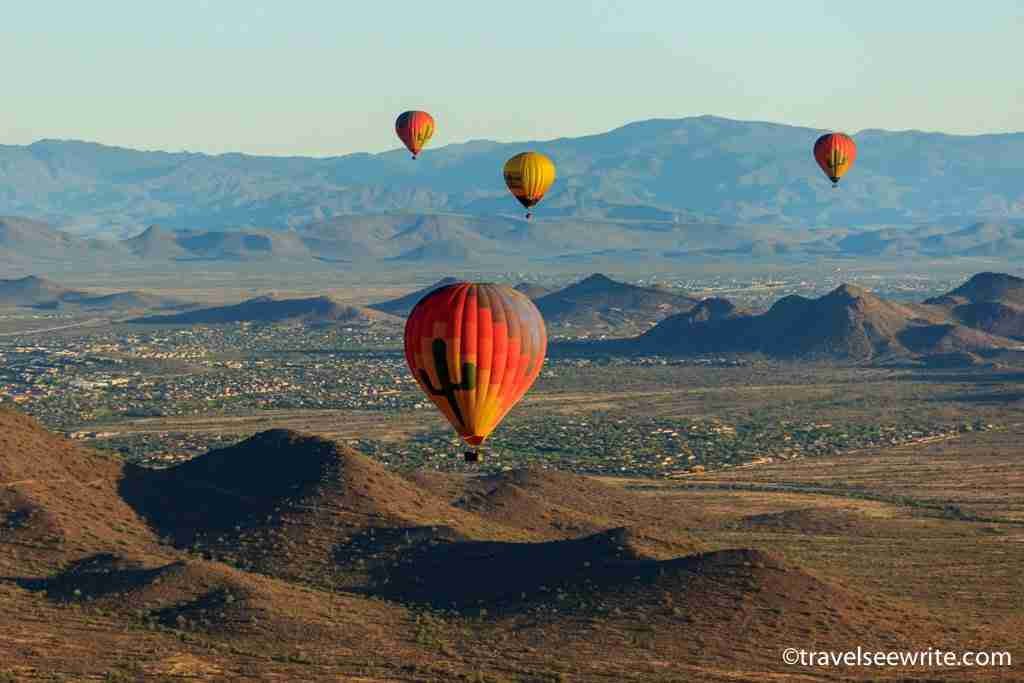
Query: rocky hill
848, 323
288, 556
599, 304
267, 309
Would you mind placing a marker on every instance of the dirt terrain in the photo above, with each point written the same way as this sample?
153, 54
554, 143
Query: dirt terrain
289, 557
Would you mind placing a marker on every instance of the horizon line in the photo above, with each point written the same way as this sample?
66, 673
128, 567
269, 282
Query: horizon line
471, 141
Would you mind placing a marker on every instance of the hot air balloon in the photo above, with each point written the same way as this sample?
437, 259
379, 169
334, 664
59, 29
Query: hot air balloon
475, 349
414, 129
835, 153
528, 176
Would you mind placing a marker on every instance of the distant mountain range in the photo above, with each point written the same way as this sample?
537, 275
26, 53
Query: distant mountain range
391, 242
681, 171
848, 323
269, 309
597, 304
981, 318
38, 292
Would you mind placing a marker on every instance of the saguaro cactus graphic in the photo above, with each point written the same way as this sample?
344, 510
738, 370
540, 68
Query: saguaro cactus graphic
836, 161
439, 349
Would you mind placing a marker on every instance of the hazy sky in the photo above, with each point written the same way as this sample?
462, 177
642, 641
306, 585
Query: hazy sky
326, 77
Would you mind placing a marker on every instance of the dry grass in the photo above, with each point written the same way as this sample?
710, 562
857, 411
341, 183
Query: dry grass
905, 548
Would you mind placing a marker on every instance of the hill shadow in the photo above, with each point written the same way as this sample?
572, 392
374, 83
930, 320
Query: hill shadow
458, 574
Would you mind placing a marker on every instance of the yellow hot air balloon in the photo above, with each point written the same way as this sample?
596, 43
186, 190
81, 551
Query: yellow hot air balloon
529, 176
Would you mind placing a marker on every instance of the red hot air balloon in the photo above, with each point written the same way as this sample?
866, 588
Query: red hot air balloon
414, 129
835, 153
475, 350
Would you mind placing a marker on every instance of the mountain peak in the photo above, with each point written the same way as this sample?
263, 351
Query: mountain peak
850, 292
990, 286
598, 279
268, 308
598, 302
153, 231
713, 308
32, 280
28, 290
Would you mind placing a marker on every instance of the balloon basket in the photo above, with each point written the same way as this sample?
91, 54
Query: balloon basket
473, 456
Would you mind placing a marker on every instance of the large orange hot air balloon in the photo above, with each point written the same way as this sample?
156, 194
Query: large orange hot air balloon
414, 129
835, 153
475, 349
529, 175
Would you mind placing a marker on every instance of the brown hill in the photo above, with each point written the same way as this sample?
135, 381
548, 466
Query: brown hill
119, 301
534, 291
820, 521
42, 293
459, 574
58, 500
301, 507
33, 290
711, 310
952, 339
998, 318
726, 614
848, 323
985, 287
353, 551
191, 595
590, 592
160, 244
446, 251
990, 302
599, 303
290, 505
156, 243
412, 236
81, 571
268, 309
30, 243
537, 504
403, 304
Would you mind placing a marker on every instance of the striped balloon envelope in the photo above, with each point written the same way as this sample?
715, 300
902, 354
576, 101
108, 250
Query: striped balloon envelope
835, 153
475, 349
529, 176
414, 129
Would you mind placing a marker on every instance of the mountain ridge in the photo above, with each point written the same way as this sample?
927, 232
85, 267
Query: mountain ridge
268, 308
692, 169
847, 324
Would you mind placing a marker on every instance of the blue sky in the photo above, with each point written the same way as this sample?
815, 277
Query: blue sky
328, 77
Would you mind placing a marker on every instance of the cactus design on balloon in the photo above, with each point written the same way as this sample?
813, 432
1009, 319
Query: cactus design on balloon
448, 388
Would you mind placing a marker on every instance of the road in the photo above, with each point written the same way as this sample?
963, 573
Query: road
84, 323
